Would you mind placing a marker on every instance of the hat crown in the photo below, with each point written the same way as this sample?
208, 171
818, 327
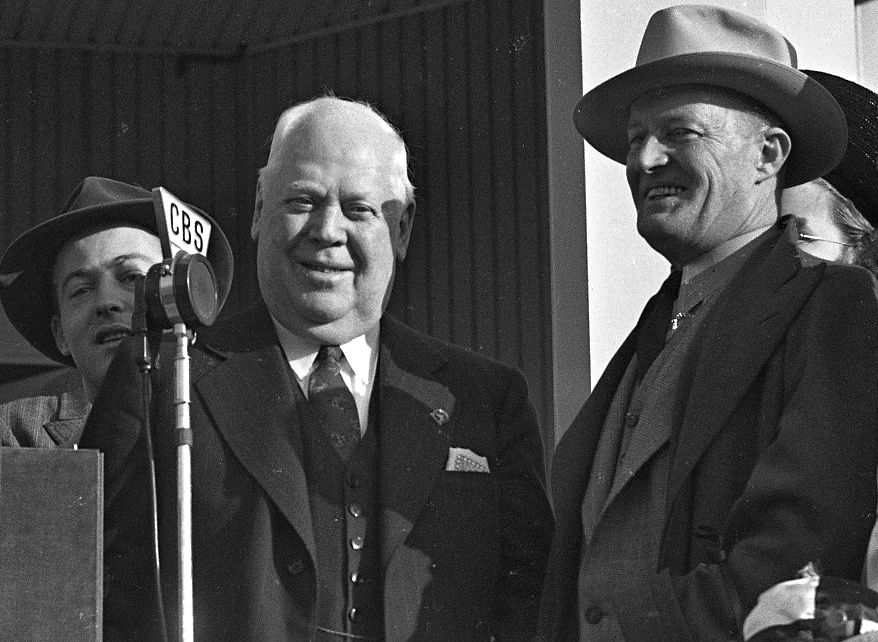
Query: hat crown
696, 29
95, 191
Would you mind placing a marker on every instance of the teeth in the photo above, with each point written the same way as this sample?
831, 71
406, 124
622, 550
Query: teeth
659, 192
114, 337
324, 269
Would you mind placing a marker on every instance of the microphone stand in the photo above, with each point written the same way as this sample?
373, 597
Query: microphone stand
184, 481
179, 290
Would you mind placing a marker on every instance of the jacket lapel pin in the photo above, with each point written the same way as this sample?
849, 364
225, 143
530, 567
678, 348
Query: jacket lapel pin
439, 416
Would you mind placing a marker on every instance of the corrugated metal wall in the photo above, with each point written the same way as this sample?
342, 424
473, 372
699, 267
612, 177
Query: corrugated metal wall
464, 83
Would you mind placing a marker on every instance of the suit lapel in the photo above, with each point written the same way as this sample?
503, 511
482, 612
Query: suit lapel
66, 429
737, 341
413, 446
250, 397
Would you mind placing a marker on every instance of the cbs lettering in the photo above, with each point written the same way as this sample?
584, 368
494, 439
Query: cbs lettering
186, 227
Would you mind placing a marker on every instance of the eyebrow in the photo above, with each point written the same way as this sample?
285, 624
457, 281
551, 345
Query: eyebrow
119, 260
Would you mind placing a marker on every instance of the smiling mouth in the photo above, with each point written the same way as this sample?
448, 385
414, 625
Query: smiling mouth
323, 269
655, 193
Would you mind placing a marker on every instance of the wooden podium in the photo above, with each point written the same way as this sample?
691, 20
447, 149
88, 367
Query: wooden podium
51, 544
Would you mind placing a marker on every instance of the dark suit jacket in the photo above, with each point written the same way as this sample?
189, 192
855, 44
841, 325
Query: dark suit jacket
773, 457
463, 554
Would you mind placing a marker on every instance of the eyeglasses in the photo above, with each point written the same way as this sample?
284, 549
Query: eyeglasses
810, 238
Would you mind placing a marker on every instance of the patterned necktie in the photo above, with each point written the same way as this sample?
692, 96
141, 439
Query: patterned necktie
334, 403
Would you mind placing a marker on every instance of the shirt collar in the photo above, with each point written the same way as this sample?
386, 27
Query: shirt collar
361, 352
715, 276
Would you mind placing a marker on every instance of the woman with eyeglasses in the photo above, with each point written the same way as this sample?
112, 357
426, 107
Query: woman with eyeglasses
830, 226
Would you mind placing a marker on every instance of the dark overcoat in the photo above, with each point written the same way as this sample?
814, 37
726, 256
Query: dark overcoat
773, 455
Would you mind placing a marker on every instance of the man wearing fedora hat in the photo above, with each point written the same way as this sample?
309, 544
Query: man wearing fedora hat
67, 285
731, 439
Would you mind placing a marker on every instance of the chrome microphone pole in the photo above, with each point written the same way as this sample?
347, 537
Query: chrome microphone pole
181, 294
184, 482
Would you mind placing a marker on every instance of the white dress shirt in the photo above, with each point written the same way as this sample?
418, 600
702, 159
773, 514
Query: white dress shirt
358, 368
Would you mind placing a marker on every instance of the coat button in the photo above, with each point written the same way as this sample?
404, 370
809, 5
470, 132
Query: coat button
631, 419
594, 614
353, 614
355, 509
295, 568
357, 543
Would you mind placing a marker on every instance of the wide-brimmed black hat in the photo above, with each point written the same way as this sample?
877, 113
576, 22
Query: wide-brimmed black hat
706, 45
856, 176
27, 267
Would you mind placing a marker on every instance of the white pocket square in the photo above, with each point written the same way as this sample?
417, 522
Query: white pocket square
465, 460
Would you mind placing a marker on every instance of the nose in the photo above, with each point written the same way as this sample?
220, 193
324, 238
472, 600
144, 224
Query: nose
327, 225
113, 297
648, 155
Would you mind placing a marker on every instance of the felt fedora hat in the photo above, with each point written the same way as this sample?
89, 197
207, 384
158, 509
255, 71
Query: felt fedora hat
705, 45
856, 176
27, 267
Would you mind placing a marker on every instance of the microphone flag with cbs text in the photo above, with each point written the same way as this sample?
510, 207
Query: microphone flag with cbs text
183, 288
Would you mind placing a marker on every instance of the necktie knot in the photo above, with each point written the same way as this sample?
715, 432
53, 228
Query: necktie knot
330, 357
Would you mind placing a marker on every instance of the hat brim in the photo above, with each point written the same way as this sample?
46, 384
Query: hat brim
812, 117
856, 176
26, 270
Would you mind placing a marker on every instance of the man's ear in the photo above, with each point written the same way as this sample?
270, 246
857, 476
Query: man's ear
776, 146
257, 210
404, 231
58, 334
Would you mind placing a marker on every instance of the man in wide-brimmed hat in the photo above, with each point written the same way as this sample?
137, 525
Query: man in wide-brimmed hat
67, 285
731, 440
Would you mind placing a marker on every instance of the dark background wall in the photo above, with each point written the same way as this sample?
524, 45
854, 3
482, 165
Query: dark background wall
465, 84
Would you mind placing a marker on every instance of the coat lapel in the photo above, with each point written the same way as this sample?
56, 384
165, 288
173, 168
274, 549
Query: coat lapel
67, 428
250, 397
414, 446
737, 341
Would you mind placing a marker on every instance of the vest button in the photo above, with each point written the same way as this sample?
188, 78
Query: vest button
353, 614
357, 543
355, 510
631, 419
295, 568
355, 578
594, 614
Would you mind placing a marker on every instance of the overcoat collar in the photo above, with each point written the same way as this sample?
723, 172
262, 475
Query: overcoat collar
248, 392
745, 327
736, 341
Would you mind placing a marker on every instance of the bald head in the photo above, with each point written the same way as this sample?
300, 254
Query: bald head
338, 121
